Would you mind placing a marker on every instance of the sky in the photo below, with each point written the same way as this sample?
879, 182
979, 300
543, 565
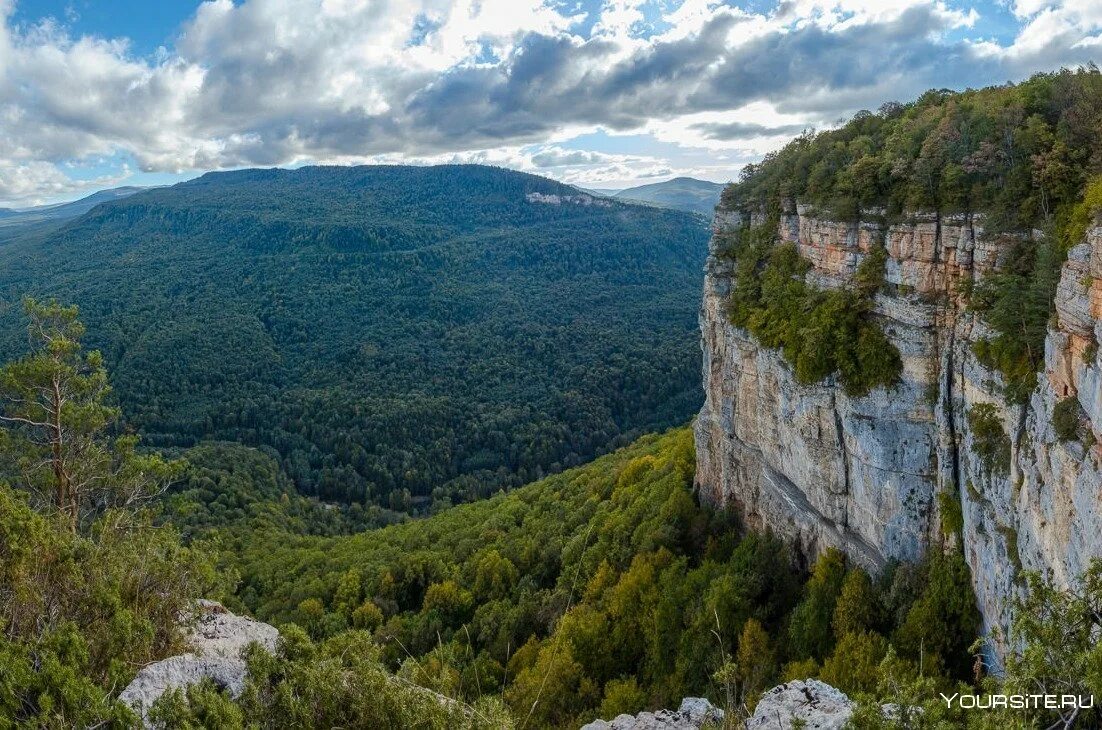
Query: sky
597, 93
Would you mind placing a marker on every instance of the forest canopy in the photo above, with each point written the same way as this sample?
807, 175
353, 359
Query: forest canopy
393, 336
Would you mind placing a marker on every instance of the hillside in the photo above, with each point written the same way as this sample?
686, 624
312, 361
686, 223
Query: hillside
601, 590
387, 331
61, 211
681, 193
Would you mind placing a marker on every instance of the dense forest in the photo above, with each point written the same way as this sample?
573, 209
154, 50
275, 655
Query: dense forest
603, 589
606, 589
395, 336
1026, 157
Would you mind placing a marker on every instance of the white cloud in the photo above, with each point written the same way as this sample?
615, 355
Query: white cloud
34, 183
269, 82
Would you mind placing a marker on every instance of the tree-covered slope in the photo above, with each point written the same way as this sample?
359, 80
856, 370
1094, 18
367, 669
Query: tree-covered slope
1026, 157
1021, 154
601, 590
385, 330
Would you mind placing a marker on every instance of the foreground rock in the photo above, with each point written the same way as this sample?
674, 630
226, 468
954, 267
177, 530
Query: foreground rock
217, 641
808, 704
695, 713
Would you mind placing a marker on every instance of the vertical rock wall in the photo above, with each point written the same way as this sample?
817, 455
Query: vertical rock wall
863, 474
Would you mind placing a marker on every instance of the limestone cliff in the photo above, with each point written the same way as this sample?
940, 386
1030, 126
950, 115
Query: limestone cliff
863, 474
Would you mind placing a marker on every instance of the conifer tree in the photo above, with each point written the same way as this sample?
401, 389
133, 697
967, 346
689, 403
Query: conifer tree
57, 442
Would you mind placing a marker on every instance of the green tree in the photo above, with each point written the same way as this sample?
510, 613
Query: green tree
857, 608
855, 664
53, 403
347, 598
810, 627
755, 662
622, 696
1058, 631
941, 625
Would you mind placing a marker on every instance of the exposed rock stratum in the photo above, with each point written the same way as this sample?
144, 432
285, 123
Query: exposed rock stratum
864, 473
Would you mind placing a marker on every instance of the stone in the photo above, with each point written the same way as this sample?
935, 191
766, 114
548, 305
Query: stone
217, 639
808, 704
694, 713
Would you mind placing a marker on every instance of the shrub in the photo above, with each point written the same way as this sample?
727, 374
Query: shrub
952, 516
990, 441
338, 683
622, 696
1065, 419
854, 665
81, 613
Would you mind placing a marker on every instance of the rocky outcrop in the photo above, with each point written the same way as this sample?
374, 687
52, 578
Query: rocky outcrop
864, 474
694, 713
217, 639
808, 704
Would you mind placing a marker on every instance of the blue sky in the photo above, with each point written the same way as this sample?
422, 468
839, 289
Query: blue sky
601, 93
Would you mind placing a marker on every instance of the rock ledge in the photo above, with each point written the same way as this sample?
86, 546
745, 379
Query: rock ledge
808, 704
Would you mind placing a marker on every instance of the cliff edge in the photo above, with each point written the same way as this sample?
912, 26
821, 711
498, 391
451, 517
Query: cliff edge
864, 474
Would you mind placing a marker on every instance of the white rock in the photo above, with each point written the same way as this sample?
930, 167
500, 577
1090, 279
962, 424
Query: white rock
693, 714
217, 641
815, 704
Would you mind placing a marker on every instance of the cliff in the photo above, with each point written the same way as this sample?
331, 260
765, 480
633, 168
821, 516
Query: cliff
864, 473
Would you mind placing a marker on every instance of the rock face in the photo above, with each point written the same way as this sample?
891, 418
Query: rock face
695, 713
864, 474
810, 704
217, 641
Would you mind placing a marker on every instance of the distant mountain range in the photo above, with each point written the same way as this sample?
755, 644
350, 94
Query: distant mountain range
62, 211
680, 193
391, 334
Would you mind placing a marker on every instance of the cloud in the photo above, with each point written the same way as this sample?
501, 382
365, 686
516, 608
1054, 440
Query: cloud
273, 82
34, 183
745, 130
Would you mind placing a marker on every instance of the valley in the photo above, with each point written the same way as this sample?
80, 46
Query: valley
488, 451
401, 338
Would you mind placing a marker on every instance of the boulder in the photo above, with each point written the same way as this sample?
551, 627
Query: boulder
694, 713
217, 640
808, 704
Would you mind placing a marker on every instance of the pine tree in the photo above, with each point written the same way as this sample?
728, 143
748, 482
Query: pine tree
56, 443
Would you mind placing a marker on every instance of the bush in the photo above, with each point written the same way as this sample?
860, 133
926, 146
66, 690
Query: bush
952, 515
990, 441
1066, 419
338, 683
81, 613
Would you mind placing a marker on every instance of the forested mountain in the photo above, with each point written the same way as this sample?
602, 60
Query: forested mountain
383, 330
61, 211
682, 193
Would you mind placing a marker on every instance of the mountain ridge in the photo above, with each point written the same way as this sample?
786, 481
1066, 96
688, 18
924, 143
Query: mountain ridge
683, 193
330, 306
